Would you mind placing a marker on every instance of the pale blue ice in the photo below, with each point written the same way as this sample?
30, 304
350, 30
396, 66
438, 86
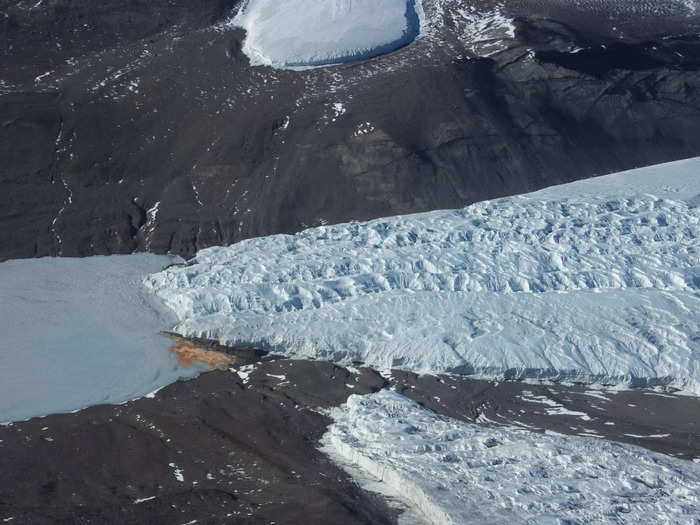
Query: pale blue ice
80, 332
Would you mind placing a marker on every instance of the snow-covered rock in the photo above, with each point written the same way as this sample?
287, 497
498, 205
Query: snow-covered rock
595, 281
448, 471
303, 33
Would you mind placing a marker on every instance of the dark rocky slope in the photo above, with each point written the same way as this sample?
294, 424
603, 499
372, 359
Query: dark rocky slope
215, 450
142, 126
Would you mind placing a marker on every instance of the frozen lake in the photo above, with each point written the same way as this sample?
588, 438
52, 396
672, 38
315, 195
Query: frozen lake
308, 33
80, 332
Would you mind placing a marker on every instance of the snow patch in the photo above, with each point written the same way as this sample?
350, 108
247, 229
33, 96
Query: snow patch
555, 409
150, 226
338, 111
244, 372
652, 436
483, 31
363, 129
598, 395
177, 472
40, 77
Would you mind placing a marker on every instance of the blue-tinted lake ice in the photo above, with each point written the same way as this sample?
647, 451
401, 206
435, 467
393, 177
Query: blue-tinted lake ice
80, 332
299, 34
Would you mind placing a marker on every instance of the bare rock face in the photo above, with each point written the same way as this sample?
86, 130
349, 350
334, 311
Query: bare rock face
144, 126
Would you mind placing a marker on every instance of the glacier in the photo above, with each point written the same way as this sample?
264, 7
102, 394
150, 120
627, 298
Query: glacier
79, 332
594, 281
290, 34
447, 471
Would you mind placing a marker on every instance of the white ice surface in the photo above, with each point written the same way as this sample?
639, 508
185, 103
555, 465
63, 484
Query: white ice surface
78, 332
298, 33
595, 281
455, 472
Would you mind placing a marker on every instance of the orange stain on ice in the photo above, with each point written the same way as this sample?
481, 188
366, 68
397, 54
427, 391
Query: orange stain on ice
188, 352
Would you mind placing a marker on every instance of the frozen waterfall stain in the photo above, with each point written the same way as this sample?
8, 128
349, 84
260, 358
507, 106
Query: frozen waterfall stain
190, 352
